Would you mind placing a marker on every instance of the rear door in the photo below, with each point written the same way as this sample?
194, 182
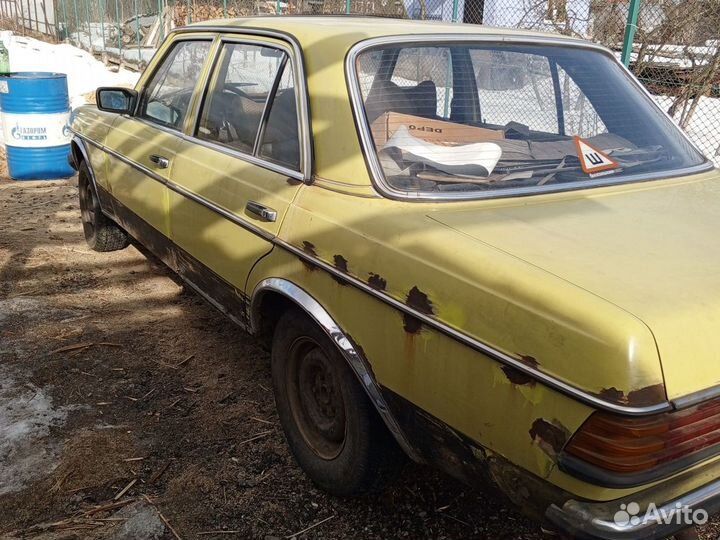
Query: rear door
235, 176
143, 146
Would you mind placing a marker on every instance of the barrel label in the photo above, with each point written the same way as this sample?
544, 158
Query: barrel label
36, 130
4, 87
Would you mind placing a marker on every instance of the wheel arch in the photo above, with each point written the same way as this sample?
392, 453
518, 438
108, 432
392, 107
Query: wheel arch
274, 295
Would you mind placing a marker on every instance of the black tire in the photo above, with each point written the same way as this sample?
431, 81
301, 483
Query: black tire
346, 453
101, 233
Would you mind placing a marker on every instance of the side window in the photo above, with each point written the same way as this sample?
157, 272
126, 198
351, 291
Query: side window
167, 97
519, 88
581, 118
515, 87
280, 141
238, 94
423, 76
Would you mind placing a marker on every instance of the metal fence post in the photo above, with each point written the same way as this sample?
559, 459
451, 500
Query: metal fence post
137, 28
77, 21
65, 20
348, 6
101, 5
225, 9
161, 19
118, 21
456, 10
630, 29
189, 12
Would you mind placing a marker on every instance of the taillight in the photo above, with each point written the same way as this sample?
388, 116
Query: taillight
636, 446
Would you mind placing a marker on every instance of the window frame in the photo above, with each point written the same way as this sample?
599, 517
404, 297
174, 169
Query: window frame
372, 161
247, 38
156, 68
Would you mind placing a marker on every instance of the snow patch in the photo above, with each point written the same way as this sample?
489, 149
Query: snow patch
26, 416
84, 72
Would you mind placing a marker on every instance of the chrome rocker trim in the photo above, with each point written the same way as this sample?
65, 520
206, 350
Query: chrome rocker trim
356, 361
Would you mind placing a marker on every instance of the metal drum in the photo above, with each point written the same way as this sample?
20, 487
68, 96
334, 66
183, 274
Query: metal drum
35, 111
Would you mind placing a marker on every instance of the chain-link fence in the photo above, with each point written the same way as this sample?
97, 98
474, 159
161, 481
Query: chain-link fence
673, 46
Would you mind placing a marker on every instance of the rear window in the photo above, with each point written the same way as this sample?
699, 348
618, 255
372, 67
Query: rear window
477, 118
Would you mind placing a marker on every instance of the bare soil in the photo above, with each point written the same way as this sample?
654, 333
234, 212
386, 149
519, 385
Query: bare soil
119, 386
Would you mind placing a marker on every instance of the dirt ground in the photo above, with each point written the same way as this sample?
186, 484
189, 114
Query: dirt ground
129, 408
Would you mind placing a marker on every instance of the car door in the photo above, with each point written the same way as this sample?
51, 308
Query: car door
143, 146
238, 171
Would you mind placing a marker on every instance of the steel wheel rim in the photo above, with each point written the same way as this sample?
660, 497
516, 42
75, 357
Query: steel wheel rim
316, 398
87, 206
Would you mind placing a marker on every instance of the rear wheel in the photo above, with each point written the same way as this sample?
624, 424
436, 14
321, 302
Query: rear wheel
101, 233
331, 426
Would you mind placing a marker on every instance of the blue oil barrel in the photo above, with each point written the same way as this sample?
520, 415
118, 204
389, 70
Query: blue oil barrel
35, 111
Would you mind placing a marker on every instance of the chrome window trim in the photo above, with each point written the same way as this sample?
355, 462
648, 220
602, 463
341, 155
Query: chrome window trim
156, 66
442, 327
301, 91
375, 169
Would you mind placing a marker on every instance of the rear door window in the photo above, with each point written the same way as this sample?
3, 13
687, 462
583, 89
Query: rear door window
250, 105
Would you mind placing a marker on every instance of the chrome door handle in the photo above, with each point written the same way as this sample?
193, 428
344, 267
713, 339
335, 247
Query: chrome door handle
161, 162
268, 214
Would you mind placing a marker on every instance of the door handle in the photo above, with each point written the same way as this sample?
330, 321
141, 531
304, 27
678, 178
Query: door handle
161, 162
268, 214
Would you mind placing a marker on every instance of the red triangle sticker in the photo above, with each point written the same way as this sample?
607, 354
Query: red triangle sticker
593, 160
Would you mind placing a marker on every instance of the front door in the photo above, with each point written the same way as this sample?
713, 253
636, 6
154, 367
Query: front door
143, 147
236, 175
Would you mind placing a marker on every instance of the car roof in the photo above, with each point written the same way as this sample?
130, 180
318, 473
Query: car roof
348, 30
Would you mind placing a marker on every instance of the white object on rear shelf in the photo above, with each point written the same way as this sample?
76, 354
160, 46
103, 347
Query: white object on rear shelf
476, 159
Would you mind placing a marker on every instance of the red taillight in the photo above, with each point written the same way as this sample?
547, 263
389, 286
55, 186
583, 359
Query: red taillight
633, 445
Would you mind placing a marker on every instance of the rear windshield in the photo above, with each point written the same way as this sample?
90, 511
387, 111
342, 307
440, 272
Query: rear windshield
482, 118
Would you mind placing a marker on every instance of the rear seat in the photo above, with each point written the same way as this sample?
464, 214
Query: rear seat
386, 96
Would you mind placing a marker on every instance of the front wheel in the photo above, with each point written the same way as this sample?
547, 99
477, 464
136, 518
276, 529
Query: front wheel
101, 233
331, 426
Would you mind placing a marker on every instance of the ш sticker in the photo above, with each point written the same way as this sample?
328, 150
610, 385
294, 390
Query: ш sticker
592, 160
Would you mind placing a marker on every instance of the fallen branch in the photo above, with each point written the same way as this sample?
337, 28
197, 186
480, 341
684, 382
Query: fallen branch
295, 535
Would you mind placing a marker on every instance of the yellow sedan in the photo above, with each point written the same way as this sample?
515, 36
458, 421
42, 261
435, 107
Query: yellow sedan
487, 250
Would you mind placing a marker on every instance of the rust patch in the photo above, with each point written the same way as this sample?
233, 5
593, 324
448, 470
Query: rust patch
340, 263
642, 397
309, 248
515, 376
529, 361
650, 395
376, 281
612, 394
418, 300
550, 436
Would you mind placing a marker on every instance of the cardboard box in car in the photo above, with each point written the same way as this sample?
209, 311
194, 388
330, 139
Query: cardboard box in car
434, 131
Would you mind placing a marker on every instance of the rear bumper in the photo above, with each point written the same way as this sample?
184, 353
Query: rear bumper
610, 520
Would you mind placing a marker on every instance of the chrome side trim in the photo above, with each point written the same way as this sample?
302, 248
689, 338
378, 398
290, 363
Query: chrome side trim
548, 380
227, 214
495, 354
149, 172
696, 397
377, 175
356, 361
230, 216
306, 146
